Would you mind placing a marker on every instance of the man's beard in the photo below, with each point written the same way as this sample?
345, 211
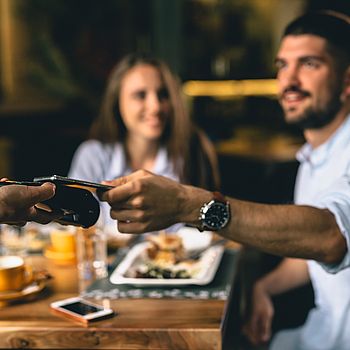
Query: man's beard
317, 119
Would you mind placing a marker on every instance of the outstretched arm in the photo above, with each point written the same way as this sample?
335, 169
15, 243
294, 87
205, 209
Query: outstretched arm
144, 202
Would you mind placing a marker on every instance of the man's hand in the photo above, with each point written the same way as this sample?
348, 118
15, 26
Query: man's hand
17, 204
144, 202
258, 327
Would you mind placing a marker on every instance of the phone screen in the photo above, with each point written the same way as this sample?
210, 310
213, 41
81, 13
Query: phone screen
81, 308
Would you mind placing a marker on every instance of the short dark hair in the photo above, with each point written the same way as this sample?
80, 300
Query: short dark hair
330, 25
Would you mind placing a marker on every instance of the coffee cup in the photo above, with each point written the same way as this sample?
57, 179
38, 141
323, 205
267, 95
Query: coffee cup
14, 274
63, 241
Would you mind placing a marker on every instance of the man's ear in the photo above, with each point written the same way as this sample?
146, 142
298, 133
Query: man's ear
346, 89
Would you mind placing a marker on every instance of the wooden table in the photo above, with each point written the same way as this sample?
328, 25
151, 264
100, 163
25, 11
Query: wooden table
140, 323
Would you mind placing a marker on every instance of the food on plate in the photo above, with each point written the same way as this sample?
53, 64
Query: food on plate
165, 249
165, 258
149, 270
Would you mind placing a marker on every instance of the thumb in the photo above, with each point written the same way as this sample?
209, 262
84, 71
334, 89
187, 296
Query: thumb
265, 329
127, 178
41, 193
119, 181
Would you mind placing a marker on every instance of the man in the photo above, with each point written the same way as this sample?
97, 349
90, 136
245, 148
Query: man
313, 75
17, 203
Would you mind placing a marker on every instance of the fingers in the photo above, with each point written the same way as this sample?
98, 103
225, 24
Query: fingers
120, 194
251, 330
41, 193
43, 217
128, 215
122, 215
38, 194
255, 333
265, 330
125, 186
117, 197
125, 179
261, 330
258, 328
132, 227
17, 223
117, 182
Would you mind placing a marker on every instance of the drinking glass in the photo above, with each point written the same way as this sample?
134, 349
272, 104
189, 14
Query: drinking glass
14, 240
91, 257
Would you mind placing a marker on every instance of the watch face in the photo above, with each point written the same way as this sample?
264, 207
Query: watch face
217, 216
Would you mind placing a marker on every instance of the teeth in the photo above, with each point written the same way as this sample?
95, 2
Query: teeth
292, 96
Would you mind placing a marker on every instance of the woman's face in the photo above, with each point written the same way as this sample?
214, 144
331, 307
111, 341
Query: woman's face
144, 102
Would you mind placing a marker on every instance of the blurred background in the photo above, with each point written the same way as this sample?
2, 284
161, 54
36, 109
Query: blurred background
55, 57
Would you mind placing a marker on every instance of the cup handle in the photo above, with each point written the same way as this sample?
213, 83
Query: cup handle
29, 275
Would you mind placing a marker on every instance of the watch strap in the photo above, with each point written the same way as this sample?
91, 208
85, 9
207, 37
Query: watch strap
219, 197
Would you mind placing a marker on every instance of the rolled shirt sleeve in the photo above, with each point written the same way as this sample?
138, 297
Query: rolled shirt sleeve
337, 200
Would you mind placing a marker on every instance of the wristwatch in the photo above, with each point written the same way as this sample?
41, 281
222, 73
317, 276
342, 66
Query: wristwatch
215, 214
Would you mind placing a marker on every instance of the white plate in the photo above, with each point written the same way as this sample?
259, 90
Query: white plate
192, 239
207, 267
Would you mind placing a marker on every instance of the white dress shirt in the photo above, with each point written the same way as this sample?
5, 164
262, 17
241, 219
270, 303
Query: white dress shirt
323, 181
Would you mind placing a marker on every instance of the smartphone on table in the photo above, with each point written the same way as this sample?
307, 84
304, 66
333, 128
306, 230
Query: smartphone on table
81, 310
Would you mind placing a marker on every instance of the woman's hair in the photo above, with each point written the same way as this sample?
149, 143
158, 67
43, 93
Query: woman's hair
192, 154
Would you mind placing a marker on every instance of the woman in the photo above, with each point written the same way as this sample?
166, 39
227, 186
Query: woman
144, 124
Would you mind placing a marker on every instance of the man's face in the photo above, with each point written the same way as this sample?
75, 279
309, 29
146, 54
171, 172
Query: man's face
309, 88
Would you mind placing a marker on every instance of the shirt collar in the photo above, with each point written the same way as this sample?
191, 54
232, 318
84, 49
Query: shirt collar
322, 153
